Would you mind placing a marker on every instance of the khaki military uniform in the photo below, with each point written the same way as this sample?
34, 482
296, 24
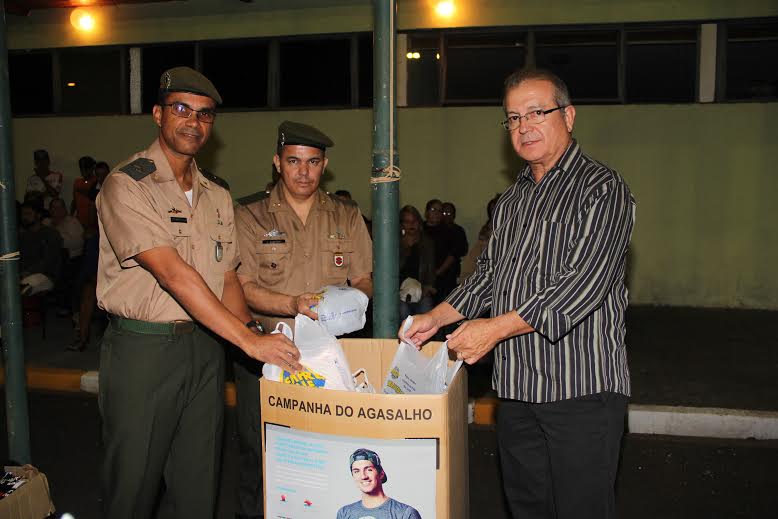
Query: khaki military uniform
285, 256
161, 385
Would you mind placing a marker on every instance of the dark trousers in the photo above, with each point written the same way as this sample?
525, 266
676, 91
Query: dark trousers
162, 402
559, 459
249, 499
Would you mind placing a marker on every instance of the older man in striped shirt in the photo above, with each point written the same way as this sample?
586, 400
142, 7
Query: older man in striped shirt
553, 274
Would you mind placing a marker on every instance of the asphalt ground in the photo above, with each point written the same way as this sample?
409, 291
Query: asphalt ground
678, 356
659, 476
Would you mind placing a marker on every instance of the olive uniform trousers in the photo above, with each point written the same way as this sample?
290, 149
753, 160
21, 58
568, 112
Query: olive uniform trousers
247, 373
161, 398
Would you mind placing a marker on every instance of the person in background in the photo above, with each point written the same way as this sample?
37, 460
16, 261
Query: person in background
40, 250
81, 205
553, 275
469, 261
72, 233
446, 257
346, 197
417, 263
43, 183
459, 244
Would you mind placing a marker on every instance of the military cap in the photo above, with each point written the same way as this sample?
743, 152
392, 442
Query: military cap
367, 455
185, 79
292, 133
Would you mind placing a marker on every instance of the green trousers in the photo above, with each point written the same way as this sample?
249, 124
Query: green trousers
249, 500
162, 402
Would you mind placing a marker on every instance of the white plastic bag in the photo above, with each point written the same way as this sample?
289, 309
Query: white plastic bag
361, 382
342, 309
322, 357
412, 372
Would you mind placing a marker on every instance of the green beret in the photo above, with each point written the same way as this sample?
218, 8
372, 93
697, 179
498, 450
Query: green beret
185, 79
292, 133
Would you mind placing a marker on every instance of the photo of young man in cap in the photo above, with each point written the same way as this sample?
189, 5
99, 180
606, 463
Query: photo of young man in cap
370, 477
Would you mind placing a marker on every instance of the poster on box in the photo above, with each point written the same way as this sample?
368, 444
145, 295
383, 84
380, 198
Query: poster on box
327, 476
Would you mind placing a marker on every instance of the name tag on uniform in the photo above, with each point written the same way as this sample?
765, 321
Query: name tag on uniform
273, 241
178, 219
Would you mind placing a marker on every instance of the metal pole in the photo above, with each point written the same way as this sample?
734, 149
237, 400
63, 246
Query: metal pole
384, 182
10, 307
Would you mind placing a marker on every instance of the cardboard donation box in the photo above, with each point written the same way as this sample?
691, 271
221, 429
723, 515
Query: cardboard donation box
310, 437
31, 500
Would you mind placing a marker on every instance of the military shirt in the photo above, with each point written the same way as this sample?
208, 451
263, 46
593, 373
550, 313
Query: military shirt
286, 256
139, 211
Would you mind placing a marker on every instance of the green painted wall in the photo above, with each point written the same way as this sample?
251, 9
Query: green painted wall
704, 177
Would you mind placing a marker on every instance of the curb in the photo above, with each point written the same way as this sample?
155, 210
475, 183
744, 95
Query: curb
710, 422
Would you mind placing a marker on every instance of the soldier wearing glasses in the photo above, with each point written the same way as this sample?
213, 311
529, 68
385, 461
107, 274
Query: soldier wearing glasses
553, 277
166, 277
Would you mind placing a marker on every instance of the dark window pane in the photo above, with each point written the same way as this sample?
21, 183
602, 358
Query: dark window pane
423, 59
91, 80
661, 66
586, 61
239, 72
477, 64
366, 70
31, 84
156, 60
315, 73
752, 61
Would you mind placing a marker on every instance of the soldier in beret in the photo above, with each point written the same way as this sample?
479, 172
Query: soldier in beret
293, 242
166, 277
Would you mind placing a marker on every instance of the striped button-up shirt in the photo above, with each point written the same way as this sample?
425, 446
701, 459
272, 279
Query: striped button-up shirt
557, 258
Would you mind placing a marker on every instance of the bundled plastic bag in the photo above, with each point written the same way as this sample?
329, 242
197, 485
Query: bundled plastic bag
322, 357
342, 309
412, 372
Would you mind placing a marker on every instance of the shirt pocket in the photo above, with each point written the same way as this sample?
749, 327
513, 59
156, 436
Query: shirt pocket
181, 232
273, 263
222, 247
336, 258
553, 241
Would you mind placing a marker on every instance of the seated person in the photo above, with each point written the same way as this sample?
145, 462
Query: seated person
72, 233
40, 252
417, 262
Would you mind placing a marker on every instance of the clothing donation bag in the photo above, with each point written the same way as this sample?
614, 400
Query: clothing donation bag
322, 357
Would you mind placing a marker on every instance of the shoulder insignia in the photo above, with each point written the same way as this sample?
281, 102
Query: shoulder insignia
255, 197
215, 179
139, 169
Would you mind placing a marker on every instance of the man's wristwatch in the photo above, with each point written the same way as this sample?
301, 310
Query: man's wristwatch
256, 327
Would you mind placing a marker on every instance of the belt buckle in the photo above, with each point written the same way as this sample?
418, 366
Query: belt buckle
181, 327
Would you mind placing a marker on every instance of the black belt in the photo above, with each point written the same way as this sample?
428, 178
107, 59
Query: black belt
150, 328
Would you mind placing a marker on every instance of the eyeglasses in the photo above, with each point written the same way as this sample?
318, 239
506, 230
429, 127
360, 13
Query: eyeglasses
534, 117
185, 111
447, 213
435, 210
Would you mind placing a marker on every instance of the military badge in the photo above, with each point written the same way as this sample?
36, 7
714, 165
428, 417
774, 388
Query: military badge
337, 258
219, 251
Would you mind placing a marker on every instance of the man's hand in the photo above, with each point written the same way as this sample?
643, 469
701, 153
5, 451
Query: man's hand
303, 304
276, 349
424, 326
474, 339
